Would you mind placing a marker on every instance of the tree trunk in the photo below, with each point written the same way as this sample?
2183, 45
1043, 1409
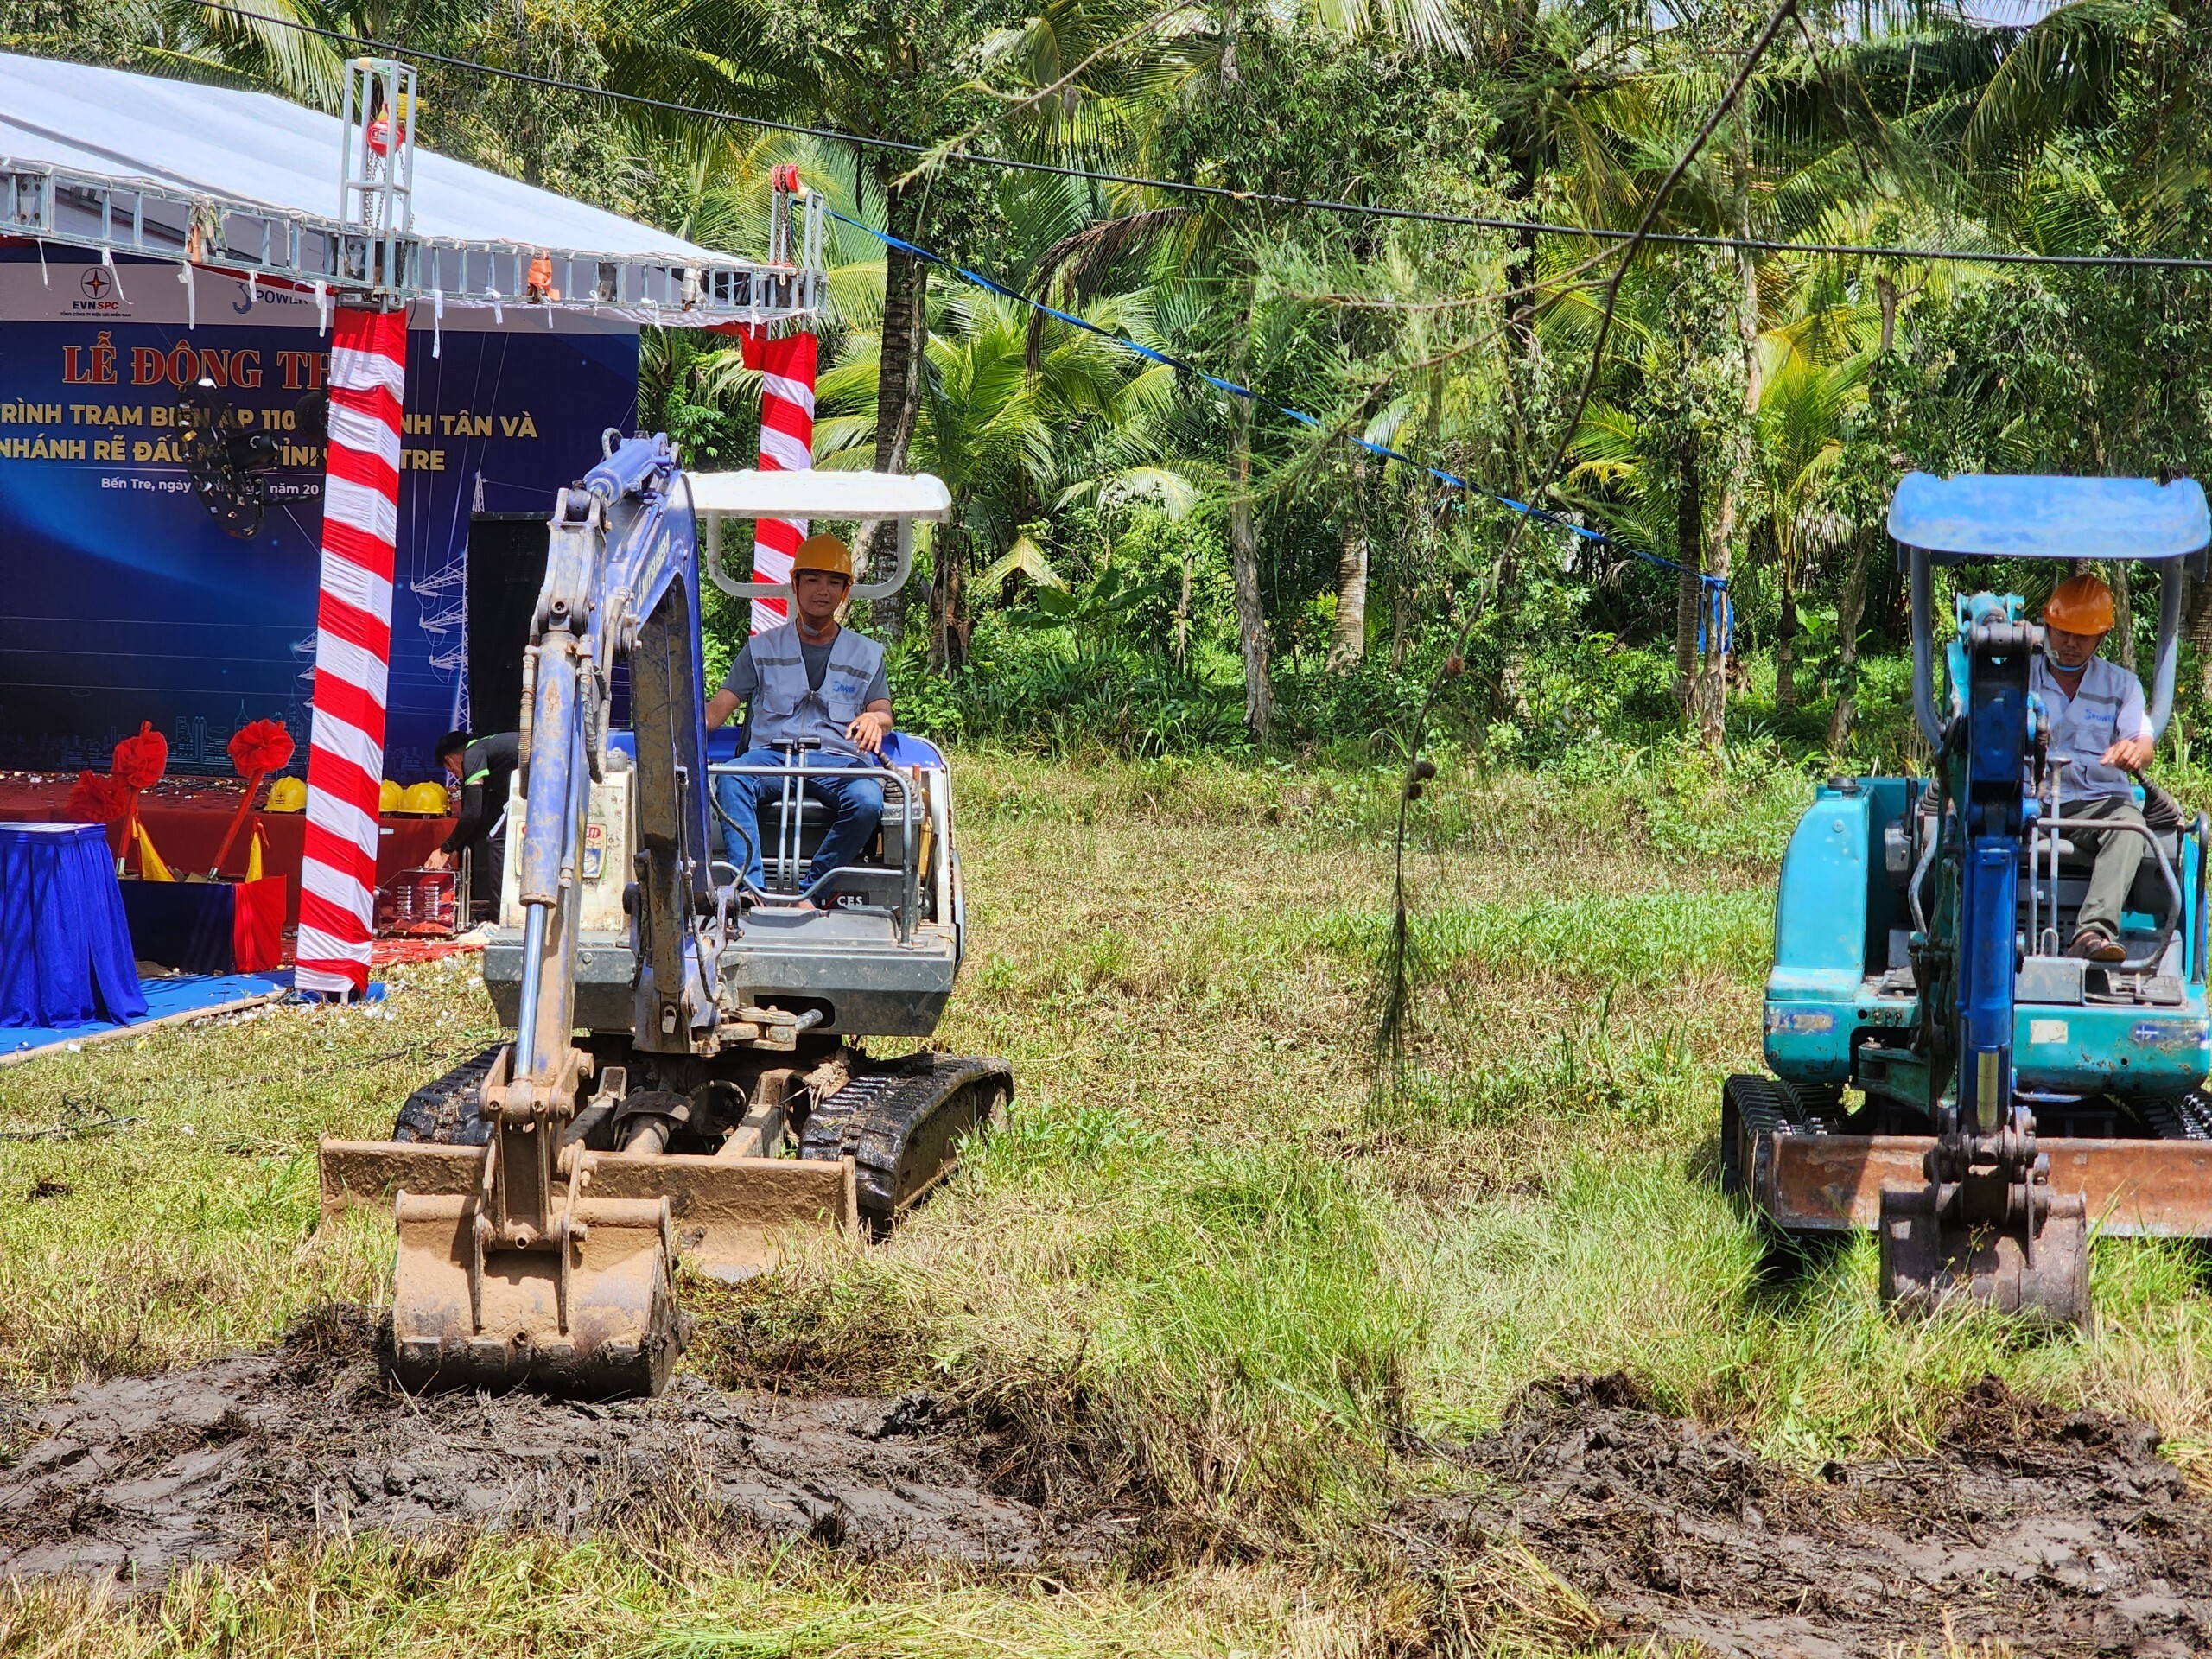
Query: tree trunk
900, 365
1520, 137
1719, 562
1348, 640
1785, 638
2196, 629
1244, 566
1847, 612
1182, 643
1403, 570
1851, 608
948, 623
1689, 553
1713, 683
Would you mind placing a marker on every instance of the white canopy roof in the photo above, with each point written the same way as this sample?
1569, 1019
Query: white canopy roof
819, 494
248, 183
255, 147
841, 497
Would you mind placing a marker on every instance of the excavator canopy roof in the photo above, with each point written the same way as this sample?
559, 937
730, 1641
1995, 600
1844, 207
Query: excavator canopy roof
2026, 517
819, 494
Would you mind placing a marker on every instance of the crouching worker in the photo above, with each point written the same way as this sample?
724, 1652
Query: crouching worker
2099, 725
482, 766
810, 680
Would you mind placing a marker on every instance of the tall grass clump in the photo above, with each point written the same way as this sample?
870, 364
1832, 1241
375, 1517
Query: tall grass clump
1226, 1334
1257, 1336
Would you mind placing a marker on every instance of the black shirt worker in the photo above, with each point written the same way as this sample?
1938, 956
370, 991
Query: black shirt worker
483, 767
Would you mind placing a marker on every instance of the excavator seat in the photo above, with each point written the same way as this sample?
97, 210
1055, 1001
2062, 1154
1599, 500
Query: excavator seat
2146, 897
885, 850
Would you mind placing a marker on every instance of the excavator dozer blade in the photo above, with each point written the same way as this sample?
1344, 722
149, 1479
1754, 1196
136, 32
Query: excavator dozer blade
1931, 1261
610, 1327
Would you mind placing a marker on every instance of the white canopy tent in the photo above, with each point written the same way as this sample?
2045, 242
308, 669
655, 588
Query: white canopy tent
249, 183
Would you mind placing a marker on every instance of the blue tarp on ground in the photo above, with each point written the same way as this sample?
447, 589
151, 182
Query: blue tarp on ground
186, 993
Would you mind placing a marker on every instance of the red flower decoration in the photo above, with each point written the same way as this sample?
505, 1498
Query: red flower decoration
141, 760
261, 749
97, 799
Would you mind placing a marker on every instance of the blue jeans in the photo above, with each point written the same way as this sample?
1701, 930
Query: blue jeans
855, 806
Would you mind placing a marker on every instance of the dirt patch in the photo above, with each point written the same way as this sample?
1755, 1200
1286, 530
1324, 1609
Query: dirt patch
2055, 1533
131, 1477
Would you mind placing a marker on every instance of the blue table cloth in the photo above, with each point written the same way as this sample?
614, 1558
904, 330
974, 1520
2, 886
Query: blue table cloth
65, 948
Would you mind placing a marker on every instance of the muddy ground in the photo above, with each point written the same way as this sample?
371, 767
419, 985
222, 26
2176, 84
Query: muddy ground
2053, 1534
128, 1478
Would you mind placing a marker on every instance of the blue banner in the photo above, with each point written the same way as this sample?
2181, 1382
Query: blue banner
140, 587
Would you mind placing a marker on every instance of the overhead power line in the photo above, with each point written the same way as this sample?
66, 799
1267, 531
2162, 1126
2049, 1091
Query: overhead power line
1223, 193
1313, 423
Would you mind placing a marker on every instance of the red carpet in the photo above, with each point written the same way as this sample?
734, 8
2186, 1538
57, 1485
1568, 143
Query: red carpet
186, 818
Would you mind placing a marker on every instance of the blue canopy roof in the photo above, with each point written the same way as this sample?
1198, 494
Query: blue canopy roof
2024, 517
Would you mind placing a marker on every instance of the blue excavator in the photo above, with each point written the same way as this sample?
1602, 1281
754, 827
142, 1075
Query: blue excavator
686, 1081
1941, 1069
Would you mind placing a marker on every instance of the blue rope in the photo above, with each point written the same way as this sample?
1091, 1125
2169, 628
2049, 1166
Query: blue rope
1714, 597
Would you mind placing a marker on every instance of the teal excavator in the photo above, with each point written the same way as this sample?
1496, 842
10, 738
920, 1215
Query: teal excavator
1941, 1069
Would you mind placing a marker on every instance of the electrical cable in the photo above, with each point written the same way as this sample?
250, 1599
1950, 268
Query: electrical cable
1397, 1002
1311, 422
1223, 193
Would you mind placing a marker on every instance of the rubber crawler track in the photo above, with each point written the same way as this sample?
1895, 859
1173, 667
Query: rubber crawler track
901, 1123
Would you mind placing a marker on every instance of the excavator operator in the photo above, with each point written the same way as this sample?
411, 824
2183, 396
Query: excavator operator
809, 681
2099, 723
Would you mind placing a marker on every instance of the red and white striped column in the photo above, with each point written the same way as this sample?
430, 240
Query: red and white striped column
353, 653
786, 366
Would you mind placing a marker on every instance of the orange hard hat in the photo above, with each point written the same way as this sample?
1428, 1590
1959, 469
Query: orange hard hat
824, 553
2080, 605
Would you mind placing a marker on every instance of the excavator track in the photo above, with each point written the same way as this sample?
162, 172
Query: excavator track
901, 1124
2186, 1118
443, 1112
1753, 1109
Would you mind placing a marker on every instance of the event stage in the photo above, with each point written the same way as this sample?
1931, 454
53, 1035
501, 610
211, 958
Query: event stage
186, 818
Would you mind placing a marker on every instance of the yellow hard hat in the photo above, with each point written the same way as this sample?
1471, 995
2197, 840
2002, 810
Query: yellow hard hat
429, 799
388, 796
2080, 604
287, 795
824, 553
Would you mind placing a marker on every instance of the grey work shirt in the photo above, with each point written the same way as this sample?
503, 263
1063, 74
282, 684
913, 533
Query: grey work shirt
744, 679
2108, 705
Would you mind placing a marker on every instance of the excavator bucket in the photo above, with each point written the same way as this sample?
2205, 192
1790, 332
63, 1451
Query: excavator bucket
596, 1319
1933, 1256
596, 1316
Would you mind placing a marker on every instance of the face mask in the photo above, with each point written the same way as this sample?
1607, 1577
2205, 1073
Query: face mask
2059, 663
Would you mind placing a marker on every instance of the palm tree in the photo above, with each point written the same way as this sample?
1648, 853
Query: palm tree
1001, 433
1805, 406
893, 72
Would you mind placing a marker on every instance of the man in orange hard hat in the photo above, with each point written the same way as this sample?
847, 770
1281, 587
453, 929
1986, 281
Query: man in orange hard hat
809, 682
2099, 723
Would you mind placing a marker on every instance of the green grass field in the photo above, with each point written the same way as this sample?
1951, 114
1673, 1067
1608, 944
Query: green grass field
1209, 1262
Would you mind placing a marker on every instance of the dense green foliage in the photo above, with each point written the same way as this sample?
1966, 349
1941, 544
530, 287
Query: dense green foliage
1141, 562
